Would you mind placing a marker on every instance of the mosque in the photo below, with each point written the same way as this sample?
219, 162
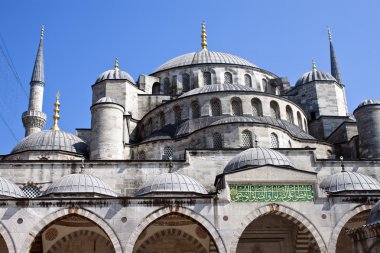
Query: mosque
209, 153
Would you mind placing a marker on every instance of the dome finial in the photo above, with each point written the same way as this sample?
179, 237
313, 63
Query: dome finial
204, 37
116, 64
314, 66
56, 112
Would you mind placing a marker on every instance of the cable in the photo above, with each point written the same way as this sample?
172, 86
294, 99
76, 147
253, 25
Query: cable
9, 128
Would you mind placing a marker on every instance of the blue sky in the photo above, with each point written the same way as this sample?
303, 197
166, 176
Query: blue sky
82, 38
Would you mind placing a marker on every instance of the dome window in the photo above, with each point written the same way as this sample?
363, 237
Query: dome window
227, 78
141, 155
217, 141
274, 110
247, 141
215, 107
195, 110
299, 119
206, 78
162, 119
265, 85
256, 107
274, 141
236, 107
289, 114
168, 153
186, 82
177, 114
247, 80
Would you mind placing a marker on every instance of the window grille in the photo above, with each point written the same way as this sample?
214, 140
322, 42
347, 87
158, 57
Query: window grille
141, 155
186, 82
206, 78
248, 80
168, 153
177, 114
236, 108
31, 191
195, 110
247, 141
217, 141
166, 85
227, 78
215, 108
289, 114
273, 140
256, 107
274, 111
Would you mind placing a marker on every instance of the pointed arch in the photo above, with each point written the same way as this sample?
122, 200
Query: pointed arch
146, 221
296, 217
45, 221
4, 233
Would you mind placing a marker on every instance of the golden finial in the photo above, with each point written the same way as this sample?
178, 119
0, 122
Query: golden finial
56, 112
329, 32
204, 37
42, 31
314, 67
116, 63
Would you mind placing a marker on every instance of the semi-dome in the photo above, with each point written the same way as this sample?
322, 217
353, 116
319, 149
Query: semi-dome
9, 189
204, 57
257, 157
349, 181
315, 75
218, 88
369, 102
77, 184
52, 140
171, 183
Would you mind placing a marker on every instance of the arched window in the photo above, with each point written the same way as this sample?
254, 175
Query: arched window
206, 78
216, 109
156, 89
168, 153
166, 85
227, 78
236, 107
217, 141
186, 82
257, 109
289, 114
265, 85
141, 155
162, 119
274, 141
305, 125
274, 110
299, 120
246, 139
177, 114
173, 89
149, 128
195, 110
248, 80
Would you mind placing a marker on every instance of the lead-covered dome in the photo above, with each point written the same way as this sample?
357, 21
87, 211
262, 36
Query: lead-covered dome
218, 88
171, 183
79, 184
115, 74
204, 57
52, 140
349, 181
9, 189
369, 102
257, 157
315, 75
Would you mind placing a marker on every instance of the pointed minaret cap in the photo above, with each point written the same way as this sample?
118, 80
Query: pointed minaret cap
333, 62
204, 37
38, 70
56, 112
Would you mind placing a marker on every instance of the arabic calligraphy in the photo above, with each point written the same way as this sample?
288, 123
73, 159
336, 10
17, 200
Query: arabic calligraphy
271, 193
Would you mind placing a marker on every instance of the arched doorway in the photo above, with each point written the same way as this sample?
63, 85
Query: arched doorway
71, 234
3, 245
344, 243
276, 232
175, 233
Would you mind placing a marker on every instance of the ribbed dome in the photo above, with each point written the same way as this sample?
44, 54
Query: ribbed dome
217, 88
204, 57
74, 184
115, 74
256, 157
374, 215
171, 183
105, 100
52, 140
369, 102
314, 75
9, 189
349, 181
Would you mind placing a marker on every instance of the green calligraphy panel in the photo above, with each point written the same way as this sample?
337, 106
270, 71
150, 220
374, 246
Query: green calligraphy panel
271, 193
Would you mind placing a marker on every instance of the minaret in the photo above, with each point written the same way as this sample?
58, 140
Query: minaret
204, 37
34, 119
334, 64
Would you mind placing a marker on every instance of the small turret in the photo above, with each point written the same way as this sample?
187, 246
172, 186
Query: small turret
34, 119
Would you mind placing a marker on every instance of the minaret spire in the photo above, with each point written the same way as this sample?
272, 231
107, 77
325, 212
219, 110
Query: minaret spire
34, 119
334, 64
204, 37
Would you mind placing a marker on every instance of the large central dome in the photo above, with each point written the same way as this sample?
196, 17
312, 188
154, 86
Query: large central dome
204, 57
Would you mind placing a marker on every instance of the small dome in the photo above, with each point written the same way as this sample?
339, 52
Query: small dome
51, 140
217, 88
349, 181
169, 183
204, 57
315, 75
9, 189
74, 184
105, 100
369, 102
115, 74
257, 157
374, 215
